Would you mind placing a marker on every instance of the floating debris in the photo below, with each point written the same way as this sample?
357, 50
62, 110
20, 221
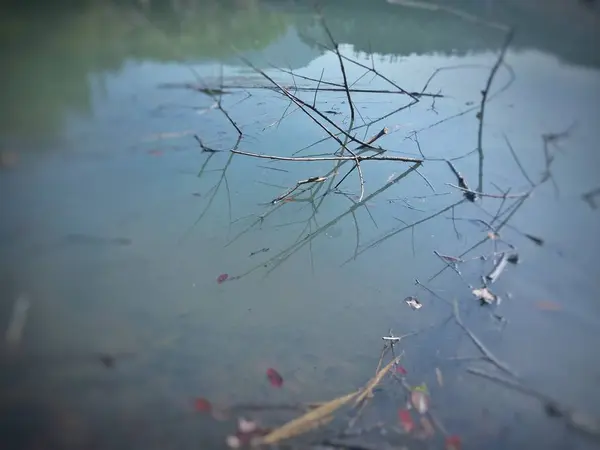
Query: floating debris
406, 420
452, 443
546, 305
438, 375
420, 401
413, 303
401, 370
485, 295
494, 274
262, 250
107, 360
513, 258
222, 278
535, 239
202, 405
14, 331
274, 377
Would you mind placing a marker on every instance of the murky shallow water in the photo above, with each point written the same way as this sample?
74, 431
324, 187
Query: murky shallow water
115, 226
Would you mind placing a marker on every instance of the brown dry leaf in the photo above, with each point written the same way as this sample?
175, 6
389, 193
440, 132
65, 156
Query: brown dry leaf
308, 421
440, 378
546, 305
485, 294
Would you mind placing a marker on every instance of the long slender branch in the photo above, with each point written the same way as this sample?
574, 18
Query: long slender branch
484, 96
330, 158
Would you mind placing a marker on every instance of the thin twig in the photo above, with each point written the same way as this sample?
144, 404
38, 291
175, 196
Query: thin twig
481, 194
484, 96
330, 158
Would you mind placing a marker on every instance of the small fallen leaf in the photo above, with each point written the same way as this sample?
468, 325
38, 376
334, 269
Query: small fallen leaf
274, 377
401, 370
406, 420
233, 442
222, 278
413, 303
452, 442
420, 401
247, 426
546, 305
493, 236
485, 295
202, 405
155, 152
438, 374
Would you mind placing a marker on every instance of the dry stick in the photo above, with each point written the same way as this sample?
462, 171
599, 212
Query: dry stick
514, 155
330, 158
286, 253
317, 89
414, 224
368, 143
574, 419
343, 69
481, 194
484, 96
303, 105
360, 175
298, 184
489, 355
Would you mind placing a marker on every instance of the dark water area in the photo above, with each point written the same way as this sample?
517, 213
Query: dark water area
146, 269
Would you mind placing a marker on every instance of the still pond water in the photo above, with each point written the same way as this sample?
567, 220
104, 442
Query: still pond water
115, 225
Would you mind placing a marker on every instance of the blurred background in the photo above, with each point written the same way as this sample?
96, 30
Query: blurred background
115, 225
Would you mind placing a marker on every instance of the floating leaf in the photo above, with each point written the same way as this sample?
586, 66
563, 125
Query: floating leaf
546, 305
155, 152
274, 377
202, 405
222, 278
233, 442
452, 443
406, 420
421, 388
493, 236
413, 303
440, 378
420, 401
247, 426
485, 295
401, 370
536, 240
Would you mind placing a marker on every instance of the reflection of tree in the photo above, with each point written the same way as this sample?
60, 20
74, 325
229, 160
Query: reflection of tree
48, 54
389, 29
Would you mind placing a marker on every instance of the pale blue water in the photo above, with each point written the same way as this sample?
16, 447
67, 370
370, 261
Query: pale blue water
100, 217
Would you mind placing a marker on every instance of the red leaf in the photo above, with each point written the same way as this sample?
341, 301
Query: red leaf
401, 370
222, 278
406, 420
202, 405
275, 379
453, 443
546, 305
155, 152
